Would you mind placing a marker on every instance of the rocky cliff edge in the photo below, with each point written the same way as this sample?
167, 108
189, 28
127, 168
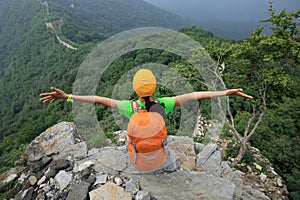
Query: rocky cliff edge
60, 166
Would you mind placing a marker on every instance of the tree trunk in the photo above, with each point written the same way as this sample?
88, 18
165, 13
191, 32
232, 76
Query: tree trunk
241, 154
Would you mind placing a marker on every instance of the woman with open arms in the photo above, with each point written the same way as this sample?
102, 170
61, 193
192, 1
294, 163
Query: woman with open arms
144, 84
147, 134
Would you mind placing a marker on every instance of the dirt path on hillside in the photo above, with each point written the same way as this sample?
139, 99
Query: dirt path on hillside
52, 26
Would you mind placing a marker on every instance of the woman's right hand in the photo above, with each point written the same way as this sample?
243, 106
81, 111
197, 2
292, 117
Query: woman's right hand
238, 92
52, 96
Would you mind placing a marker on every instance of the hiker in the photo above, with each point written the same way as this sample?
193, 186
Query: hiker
147, 134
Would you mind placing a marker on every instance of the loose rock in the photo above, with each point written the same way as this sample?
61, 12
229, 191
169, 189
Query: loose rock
132, 186
32, 180
279, 182
118, 181
42, 180
63, 179
142, 195
10, 178
79, 191
101, 179
263, 177
110, 191
257, 166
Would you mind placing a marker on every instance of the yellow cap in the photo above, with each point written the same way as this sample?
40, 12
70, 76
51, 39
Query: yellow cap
144, 83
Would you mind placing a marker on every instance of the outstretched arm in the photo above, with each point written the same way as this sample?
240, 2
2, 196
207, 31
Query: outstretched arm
185, 98
59, 94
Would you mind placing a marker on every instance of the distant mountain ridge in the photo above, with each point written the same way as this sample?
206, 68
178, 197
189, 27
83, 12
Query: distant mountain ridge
107, 16
102, 16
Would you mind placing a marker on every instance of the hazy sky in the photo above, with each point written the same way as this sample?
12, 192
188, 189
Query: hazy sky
233, 10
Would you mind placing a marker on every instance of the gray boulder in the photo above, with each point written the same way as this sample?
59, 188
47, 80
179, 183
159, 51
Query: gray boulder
58, 141
79, 191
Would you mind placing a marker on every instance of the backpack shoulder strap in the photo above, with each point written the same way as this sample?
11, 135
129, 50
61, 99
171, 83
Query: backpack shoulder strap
156, 101
134, 106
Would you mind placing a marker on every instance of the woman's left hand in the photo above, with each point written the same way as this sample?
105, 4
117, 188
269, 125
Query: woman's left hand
52, 96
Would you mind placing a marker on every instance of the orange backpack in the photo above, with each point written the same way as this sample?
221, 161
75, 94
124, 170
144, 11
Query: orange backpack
147, 139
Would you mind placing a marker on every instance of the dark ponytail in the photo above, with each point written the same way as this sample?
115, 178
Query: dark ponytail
155, 107
148, 103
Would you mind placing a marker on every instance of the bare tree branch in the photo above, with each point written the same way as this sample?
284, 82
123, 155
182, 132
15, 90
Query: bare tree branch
250, 121
260, 116
256, 125
231, 121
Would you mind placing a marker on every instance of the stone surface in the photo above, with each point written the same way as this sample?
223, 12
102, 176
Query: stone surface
59, 164
77, 151
25, 195
263, 177
227, 172
14, 191
42, 180
32, 180
199, 146
142, 195
22, 178
84, 166
213, 164
172, 163
111, 160
205, 154
10, 178
238, 192
46, 160
109, 191
50, 173
251, 194
79, 191
91, 179
101, 179
185, 185
118, 181
63, 179
279, 182
57, 139
132, 186
249, 169
257, 166
184, 151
